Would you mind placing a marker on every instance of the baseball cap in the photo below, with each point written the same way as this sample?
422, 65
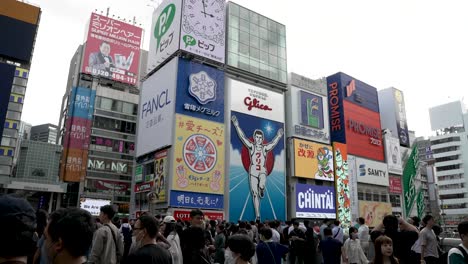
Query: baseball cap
15, 207
169, 219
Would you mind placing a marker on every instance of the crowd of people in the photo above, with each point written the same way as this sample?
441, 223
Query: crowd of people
72, 235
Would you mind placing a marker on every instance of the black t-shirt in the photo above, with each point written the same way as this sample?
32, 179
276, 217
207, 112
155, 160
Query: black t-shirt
150, 254
402, 243
331, 250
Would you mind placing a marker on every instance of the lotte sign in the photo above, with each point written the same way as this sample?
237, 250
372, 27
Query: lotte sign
184, 215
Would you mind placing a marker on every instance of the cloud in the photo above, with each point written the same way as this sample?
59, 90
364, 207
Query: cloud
235, 157
280, 162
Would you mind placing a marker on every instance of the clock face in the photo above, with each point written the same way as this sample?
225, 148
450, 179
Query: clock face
205, 18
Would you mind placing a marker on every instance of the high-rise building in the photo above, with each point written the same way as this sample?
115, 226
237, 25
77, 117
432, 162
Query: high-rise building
450, 150
99, 111
44, 133
18, 27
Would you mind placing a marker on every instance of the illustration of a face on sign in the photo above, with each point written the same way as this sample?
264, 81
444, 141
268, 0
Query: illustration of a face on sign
325, 164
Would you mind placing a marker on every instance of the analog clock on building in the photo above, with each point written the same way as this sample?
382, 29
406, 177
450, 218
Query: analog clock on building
205, 19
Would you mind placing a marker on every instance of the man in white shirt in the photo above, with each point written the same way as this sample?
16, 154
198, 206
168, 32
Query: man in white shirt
338, 232
429, 252
363, 235
276, 235
459, 255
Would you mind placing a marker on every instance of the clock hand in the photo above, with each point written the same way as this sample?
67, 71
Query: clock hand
204, 11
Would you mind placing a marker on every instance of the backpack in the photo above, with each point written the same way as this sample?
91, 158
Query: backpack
465, 255
127, 234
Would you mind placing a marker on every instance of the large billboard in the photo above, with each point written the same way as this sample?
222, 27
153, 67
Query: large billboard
112, 50
343, 190
203, 29
156, 111
21, 36
200, 91
335, 109
374, 212
395, 185
313, 160
308, 113
165, 32
257, 154
93, 206
7, 74
372, 172
315, 201
196, 200
393, 154
358, 92
82, 102
161, 168
402, 125
198, 156
409, 176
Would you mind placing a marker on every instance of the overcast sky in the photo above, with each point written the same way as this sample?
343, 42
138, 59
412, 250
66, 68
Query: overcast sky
419, 47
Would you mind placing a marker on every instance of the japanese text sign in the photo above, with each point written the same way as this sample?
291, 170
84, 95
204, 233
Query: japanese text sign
196, 200
313, 160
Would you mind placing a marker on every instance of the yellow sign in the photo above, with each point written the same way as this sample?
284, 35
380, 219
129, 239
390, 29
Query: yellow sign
198, 156
374, 212
313, 160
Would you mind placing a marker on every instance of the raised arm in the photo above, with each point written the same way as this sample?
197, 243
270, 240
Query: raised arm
275, 141
240, 133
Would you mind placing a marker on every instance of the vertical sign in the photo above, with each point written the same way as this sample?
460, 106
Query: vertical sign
421, 205
352, 172
402, 125
343, 193
393, 154
160, 170
335, 109
409, 175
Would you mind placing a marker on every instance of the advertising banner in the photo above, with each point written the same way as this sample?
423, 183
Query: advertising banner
156, 111
315, 201
374, 212
112, 50
420, 204
335, 109
139, 173
315, 86
409, 176
160, 170
74, 165
184, 215
82, 103
359, 93
198, 156
7, 73
363, 132
196, 200
101, 164
165, 32
343, 193
308, 113
143, 187
203, 29
395, 185
77, 133
352, 172
402, 125
112, 187
393, 153
313, 160
93, 206
200, 91
372, 172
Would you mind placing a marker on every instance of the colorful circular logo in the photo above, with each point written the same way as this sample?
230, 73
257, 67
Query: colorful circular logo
200, 153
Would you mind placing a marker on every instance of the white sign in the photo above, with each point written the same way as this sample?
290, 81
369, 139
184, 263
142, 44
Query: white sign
93, 206
156, 111
393, 155
372, 172
165, 32
307, 114
353, 189
203, 29
256, 101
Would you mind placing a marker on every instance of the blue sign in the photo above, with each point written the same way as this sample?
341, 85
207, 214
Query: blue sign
196, 200
311, 110
359, 93
315, 201
82, 103
200, 91
335, 109
7, 73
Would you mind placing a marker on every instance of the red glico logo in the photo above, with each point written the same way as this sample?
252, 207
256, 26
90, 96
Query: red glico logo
255, 103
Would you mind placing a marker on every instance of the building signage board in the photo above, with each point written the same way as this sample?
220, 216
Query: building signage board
343, 190
374, 212
184, 215
156, 111
421, 205
165, 32
315, 201
112, 187
139, 173
82, 102
112, 50
409, 176
143, 187
161, 171
395, 185
372, 172
196, 200
402, 125
200, 91
335, 109
359, 93
93, 206
313, 160
393, 154
353, 189
316, 86
257, 153
203, 29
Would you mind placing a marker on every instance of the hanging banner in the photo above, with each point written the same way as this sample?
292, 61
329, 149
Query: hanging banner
409, 176
353, 190
343, 194
421, 205
160, 170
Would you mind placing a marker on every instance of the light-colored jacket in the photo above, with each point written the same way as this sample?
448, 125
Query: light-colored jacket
175, 249
104, 249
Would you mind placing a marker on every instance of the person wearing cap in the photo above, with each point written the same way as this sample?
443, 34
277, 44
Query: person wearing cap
19, 221
170, 233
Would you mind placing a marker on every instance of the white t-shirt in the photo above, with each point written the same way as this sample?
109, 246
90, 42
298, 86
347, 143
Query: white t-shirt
276, 235
363, 233
338, 233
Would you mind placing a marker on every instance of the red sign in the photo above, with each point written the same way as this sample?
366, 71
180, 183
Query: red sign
395, 185
255, 103
112, 49
363, 132
184, 215
143, 187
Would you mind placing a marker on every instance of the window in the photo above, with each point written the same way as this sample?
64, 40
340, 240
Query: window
9, 142
127, 108
18, 89
383, 198
20, 81
13, 115
395, 200
375, 197
368, 197
106, 104
360, 196
15, 106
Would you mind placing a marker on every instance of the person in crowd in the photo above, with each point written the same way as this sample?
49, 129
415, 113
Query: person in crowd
383, 247
402, 234
311, 243
352, 250
19, 223
324, 225
40, 256
363, 235
107, 242
148, 252
338, 231
331, 248
126, 231
116, 221
213, 225
429, 249
255, 230
416, 221
170, 233
276, 235
240, 248
286, 233
297, 241
193, 240
250, 232
269, 252
459, 254
219, 244
242, 228
68, 236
